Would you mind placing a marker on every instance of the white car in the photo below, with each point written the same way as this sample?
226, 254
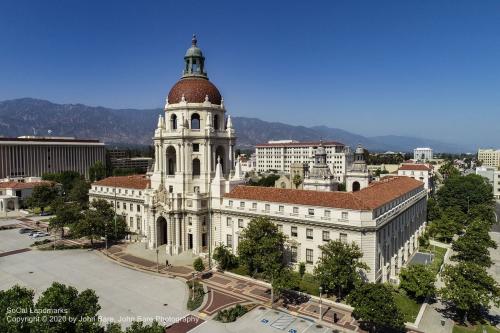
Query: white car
39, 235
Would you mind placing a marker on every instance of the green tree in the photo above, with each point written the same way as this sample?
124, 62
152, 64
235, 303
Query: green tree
444, 229
473, 246
16, 297
297, 180
433, 210
338, 268
97, 171
418, 281
66, 214
140, 327
375, 307
261, 246
423, 240
80, 192
465, 192
302, 269
483, 212
282, 279
65, 178
83, 306
224, 257
448, 170
469, 289
198, 265
42, 196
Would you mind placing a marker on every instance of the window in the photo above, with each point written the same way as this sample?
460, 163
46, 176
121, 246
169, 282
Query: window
131, 207
327, 213
170, 189
281, 209
311, 211
230, 203
345, 215
173, 122
228, 222
195, 121
268, 207
216, 122
293, 231
190, 220
196, 167
229, 240
138, 220
293, 254
131, 221
242, 204
326, 235
295, 210
280, 227
343, 237
254, 205
118, 204
240, 223
309, 256
196, 147
138, 208
309, 233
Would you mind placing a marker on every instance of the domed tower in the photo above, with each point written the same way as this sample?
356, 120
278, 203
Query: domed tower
189, 139
319, 177
358, 176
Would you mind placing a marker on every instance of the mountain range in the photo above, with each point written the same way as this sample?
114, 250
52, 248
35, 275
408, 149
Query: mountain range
28, 116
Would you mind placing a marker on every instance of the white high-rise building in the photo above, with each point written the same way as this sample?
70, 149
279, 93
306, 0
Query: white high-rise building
422, 154
280, 155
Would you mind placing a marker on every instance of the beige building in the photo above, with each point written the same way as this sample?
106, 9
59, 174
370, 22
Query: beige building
280, 155
34, 156
489, 157
418, 171
196, 199
13, 193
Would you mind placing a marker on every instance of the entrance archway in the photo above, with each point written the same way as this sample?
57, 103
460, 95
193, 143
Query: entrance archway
356, 186
161, 229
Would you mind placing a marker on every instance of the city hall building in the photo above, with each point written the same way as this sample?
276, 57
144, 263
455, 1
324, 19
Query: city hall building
196, 198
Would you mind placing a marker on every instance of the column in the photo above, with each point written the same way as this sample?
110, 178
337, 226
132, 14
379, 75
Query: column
176, 225
170, 230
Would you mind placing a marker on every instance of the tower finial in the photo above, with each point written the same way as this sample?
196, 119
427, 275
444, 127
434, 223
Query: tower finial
194, 40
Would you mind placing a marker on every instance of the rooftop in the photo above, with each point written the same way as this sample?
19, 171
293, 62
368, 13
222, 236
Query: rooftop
415, 166
21, 185
139, 182
48, 139
369, 198
299, 144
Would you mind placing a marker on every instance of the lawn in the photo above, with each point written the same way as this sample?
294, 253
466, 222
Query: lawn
475, 329
439, 253
408, 307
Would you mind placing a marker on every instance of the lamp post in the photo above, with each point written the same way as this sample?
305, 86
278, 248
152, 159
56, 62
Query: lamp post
192, 288
157, 262
154, 221
320, 309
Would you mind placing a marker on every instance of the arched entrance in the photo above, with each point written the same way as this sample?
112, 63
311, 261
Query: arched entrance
161, 229
356, 186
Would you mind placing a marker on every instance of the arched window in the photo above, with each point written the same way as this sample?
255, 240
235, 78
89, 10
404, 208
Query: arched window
356, 186
196, 167
283, 185
216, 122
220, 152
195, 121
173, 122
171, 159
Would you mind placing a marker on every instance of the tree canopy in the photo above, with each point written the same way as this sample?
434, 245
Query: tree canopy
418, 281
42, 196
473, 245
469, 289
375, 307
338, 267
224, 257
261, 246
97, 171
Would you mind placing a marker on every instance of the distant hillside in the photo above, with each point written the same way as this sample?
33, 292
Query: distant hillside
135, 127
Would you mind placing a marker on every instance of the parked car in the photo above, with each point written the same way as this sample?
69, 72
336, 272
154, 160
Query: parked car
25, 230
45, 213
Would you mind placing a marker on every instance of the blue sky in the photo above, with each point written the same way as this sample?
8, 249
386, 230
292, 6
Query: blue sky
421, 68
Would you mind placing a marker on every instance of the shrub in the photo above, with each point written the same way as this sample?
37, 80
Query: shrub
230, 315
195, 302
302, 269
198, 265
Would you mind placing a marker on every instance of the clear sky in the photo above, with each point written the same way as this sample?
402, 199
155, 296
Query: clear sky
421, 68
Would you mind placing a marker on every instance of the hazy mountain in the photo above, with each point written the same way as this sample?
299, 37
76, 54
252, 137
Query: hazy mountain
130, 126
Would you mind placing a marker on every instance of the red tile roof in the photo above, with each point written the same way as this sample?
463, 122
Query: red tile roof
139, 182
21, 186
419, 167
371, 197
300, 144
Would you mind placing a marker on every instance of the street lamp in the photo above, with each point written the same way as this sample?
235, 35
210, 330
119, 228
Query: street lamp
320, 304
157, 263
192, 288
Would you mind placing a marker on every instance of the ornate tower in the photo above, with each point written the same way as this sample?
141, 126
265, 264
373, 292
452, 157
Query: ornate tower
189, 139
319, 177
358, 176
